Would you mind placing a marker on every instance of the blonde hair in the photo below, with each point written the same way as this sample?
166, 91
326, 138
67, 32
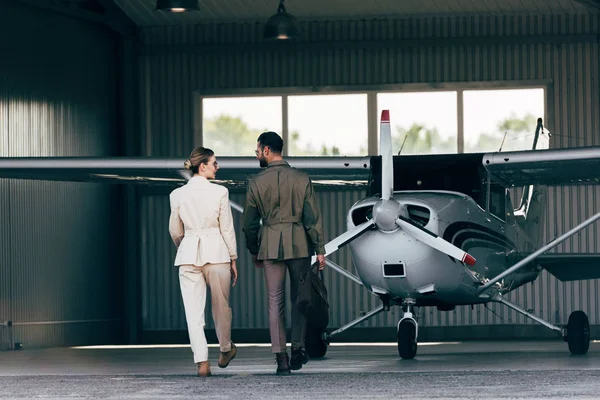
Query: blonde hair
200, 155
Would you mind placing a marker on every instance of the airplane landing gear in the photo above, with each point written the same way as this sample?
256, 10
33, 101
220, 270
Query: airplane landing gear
408, 330
319, 344
578, 333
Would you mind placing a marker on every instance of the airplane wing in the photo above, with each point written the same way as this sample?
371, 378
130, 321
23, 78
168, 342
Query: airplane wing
571, 267
233, 171
572, 166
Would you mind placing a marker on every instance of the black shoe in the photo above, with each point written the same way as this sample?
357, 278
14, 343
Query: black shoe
299, 358
283, 364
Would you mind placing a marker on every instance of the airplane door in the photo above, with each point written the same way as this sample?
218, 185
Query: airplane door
497, 205
500, 221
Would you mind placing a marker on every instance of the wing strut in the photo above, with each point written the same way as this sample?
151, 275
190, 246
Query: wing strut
542, 250
236, 206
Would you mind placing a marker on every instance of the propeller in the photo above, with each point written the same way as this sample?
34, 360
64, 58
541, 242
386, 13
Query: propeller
433, 240
387, 160
345, 238
389, 214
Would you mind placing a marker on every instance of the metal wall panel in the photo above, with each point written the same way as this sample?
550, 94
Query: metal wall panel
5, 273
560, 49
59, 254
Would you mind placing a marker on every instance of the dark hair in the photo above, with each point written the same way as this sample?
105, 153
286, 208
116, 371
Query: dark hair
200, 155
272, 140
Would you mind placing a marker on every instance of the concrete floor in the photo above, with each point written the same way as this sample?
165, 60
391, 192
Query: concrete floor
503, 370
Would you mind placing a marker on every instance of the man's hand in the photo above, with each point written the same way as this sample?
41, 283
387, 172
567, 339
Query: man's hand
257, 263
321, 261
234, 273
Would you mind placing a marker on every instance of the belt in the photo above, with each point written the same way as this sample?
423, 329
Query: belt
293, 219
197, 232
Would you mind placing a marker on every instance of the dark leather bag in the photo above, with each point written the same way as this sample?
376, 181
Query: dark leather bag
311, 298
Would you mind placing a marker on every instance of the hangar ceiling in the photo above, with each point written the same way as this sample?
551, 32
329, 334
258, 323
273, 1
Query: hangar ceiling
123, 15
143, 14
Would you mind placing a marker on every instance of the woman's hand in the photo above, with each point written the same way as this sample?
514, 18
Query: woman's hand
234, 273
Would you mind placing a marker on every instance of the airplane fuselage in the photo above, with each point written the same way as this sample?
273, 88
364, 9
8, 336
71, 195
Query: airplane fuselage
397, 265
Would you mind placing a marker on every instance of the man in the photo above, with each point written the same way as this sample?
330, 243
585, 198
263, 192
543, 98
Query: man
292, 231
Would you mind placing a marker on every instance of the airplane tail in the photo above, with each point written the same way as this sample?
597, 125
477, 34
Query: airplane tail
529, 215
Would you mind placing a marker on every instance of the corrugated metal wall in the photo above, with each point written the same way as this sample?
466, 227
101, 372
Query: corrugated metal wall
560, 49
59, 255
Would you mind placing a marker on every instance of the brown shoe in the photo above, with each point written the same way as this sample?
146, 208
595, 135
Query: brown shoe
204, 369
283, 364
225, 358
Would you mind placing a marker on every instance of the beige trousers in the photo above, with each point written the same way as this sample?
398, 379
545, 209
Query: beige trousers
275, 272
193, 282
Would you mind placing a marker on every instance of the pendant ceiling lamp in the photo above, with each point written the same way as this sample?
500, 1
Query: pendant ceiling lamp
282, 26
177, 5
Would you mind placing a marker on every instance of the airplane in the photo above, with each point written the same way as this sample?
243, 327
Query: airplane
442, 232
433, 230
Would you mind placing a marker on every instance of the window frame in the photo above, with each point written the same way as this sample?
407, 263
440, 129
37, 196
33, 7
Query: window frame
371, 91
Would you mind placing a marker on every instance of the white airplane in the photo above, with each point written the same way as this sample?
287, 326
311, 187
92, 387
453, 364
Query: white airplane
436, 230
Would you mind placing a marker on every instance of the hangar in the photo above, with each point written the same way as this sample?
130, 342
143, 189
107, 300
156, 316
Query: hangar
87, 263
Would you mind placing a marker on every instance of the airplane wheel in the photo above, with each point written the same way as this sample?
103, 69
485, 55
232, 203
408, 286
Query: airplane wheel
407, 340
315, 345
578, 333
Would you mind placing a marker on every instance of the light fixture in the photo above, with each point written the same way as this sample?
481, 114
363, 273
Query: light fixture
177, 5
282, 26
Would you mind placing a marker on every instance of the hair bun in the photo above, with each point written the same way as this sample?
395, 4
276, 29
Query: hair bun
187, 165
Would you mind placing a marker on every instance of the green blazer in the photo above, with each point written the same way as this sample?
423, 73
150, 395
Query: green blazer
284, 198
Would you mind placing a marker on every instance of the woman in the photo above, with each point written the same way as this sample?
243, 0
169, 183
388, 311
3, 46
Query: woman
201, 225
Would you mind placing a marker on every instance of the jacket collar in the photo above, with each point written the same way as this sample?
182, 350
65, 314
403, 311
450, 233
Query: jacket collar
197, 179
278, 163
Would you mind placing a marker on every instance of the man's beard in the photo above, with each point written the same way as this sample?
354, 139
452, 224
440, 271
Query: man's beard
263, 162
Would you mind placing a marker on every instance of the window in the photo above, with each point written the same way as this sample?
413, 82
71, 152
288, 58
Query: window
328, 125
422, 123
231, 125
490, 115
498, 200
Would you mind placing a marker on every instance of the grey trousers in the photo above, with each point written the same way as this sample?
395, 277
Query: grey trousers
275, 280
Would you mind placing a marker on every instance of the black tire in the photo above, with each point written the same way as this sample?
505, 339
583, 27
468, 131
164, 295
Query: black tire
315, 345
578, 333
407, 340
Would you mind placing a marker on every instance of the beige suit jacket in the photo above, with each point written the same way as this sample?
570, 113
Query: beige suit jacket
201, 224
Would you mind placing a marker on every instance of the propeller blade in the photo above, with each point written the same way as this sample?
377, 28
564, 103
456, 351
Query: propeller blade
387, 160
433, 240
345, 238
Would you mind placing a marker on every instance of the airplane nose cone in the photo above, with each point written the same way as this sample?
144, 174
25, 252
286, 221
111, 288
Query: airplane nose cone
385, 214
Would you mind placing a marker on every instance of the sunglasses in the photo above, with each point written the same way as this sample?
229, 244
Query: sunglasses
263, 149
